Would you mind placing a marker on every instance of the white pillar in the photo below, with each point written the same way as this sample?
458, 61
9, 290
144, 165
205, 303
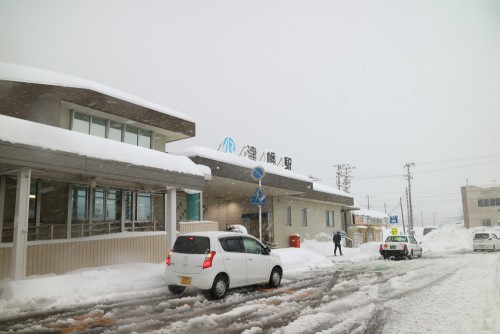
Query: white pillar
171, 217
3, 180
19, 249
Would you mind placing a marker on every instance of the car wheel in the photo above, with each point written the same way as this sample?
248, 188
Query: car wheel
410, 256
275, 279
219, 288
176, 289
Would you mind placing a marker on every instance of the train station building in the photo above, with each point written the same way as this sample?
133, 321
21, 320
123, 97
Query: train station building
85, 180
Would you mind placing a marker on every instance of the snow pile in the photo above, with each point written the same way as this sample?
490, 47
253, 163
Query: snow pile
79, 287
365, 252
447, 238
294, 259
237, 228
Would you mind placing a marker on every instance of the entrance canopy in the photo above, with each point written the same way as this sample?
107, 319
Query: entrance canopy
71, 156
231, 178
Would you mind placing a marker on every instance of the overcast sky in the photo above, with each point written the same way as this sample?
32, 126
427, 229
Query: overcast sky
373, 84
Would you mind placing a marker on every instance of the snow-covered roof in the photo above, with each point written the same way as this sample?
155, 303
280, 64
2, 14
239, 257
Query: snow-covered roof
370, 213
18, 131
234, 159
330, 190
15, 72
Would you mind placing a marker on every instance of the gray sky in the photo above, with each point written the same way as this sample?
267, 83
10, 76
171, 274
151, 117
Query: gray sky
375, 84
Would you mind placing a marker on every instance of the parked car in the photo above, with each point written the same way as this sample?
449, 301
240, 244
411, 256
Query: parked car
428, 230
485, 241
400, 246
218, 261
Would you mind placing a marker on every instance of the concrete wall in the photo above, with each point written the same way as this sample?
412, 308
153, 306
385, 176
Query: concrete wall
200, 226
58, 257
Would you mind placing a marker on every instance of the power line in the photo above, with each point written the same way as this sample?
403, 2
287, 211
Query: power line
459, 159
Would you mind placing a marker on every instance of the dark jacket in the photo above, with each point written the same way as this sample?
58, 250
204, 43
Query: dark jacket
337, 238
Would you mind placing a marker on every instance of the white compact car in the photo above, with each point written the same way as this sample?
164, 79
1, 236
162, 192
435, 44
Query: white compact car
218, 261
485, 241
400, 246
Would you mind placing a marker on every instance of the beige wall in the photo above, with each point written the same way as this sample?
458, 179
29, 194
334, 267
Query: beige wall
477, 214
58, 257
223, 212
316, 219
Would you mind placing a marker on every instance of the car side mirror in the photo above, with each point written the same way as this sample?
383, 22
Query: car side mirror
266, 251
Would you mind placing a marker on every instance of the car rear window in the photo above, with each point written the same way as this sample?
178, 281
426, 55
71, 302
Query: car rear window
192, 245
396, 238
481, 236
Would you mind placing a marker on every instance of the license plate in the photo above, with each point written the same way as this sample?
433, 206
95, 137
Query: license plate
393, 247
185, 280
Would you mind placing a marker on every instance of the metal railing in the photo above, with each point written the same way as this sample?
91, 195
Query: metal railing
78, 230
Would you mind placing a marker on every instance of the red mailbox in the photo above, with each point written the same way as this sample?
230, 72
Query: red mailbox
295, 240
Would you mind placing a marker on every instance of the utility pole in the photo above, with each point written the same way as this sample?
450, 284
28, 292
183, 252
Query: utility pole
402, 215
344, 176
407, 207
368, 198
409, 177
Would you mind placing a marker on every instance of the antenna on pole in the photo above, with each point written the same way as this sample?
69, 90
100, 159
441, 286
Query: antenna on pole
344, 176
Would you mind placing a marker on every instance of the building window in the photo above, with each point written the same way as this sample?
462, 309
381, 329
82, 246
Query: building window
113, 205
107, 205
144, 139
129, 205
329, 218
115, 131
98, 213
486, 222
80, 199
131, 135
98, 127
304, 217
143, 206
288, 216
81, 123
104, 128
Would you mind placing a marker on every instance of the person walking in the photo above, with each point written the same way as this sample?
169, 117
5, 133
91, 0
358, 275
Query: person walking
337, 238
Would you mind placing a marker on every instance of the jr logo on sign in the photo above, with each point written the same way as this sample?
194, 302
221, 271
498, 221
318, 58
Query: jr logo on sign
229, 145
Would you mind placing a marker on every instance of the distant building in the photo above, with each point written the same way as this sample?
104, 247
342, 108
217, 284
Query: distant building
481, 206
367, 226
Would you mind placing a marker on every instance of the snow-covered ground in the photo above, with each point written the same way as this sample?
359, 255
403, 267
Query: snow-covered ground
470, 302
